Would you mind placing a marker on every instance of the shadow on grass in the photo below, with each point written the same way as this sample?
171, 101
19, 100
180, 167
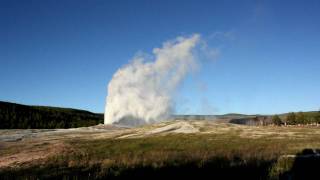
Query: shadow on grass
217, 168
306, 165
220, 168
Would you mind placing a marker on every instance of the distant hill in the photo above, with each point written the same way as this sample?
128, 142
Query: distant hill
310, 114
18, 116
244, 119
257, 119
211, 117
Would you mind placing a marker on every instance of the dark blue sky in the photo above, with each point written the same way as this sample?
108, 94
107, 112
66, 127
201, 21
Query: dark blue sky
63, 53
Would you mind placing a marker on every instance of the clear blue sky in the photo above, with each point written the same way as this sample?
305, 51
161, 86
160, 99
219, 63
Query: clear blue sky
63, 53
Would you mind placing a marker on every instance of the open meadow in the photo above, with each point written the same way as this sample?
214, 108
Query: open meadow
168, 149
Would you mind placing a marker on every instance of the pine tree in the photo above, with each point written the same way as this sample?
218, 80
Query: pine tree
301, 119
291, 118
317, 118
276, 120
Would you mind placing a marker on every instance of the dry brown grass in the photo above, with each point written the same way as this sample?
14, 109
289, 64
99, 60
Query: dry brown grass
120, 149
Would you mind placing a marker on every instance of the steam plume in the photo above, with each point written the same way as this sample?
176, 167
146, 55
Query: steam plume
141, 92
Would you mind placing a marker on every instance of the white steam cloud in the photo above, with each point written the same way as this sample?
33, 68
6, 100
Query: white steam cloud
141, 92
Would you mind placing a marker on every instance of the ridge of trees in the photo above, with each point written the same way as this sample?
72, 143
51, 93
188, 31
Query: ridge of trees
17, 116
300, 118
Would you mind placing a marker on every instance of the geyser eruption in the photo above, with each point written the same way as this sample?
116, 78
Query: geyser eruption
141, 92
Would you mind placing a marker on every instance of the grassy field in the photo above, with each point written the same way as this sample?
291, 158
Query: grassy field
171, 149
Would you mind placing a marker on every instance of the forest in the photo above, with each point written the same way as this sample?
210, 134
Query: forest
299, 118
17, 116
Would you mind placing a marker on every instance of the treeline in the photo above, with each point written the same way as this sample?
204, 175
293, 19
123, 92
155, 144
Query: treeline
297, 118
17, 116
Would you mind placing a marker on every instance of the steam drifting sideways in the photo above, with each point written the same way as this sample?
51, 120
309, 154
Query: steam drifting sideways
142, 91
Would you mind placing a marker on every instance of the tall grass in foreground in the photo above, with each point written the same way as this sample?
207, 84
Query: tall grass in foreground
176, 155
